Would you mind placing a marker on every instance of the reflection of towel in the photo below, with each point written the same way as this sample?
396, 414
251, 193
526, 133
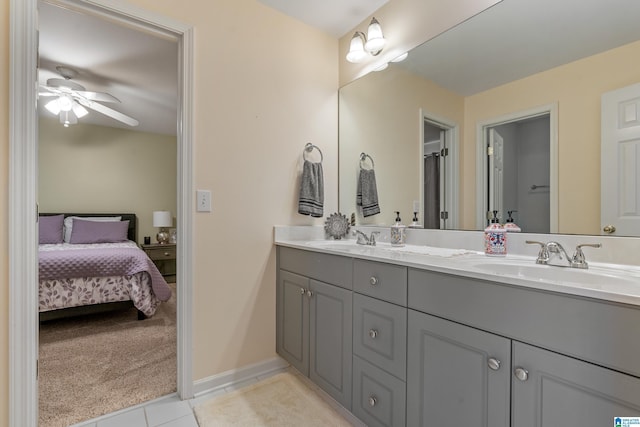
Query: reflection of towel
311, 198
367, 193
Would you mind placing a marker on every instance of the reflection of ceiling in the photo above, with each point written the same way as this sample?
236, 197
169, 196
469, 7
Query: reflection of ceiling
335, 17
137, 68
517, 38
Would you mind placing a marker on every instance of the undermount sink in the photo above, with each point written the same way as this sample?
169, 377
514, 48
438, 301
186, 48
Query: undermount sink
594, 277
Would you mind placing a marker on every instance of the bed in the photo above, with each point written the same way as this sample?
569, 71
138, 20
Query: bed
91, 263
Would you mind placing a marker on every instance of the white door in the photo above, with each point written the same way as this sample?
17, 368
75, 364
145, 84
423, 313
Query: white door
496, 171
620, 162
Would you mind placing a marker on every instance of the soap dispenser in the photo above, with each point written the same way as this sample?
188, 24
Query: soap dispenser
415, 223
495, 238
398, 232
511, 226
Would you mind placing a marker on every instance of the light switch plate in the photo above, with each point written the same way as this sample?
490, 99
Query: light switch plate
203, 201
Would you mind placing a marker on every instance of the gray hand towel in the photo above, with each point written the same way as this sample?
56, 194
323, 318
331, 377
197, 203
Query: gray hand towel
311, 200
367, 193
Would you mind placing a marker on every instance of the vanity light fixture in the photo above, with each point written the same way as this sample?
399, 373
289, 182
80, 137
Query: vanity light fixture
361, 45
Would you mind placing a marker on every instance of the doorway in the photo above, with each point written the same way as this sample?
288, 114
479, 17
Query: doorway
23, 195
517, 170
439, 173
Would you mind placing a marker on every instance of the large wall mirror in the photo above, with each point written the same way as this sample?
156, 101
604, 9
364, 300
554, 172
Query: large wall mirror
502, 112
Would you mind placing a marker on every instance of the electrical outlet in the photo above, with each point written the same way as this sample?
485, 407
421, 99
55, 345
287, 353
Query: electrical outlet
203, 201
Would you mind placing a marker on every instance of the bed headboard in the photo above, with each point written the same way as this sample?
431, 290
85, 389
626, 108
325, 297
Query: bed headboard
132, 231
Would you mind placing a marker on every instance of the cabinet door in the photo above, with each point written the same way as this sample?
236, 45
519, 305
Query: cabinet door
555, 390
293, 320
331, 340
456, 375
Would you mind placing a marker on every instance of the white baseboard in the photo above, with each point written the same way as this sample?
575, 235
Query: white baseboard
225, 379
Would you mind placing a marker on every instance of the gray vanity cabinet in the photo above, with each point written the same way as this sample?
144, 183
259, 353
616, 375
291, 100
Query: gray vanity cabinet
554, 390
456, 375
314, 320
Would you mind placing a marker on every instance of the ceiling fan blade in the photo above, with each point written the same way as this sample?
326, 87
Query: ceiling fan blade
96, 96
45, 94
109, 112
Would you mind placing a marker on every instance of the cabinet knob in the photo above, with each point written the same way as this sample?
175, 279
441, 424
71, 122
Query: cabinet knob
494, 364
373, 280
303, 291
521, 374
373, 333
167, 253
373, 400
309, 293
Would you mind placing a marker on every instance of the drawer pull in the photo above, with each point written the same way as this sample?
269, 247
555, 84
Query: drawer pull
373, 401
373, 333
494, 364
167, 253
521, 374
373, 281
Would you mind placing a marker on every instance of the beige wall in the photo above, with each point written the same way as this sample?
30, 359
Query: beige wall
577, 88
86, 168
265, 85
379, 116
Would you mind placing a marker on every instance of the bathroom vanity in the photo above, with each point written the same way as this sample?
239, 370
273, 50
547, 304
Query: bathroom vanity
402, 338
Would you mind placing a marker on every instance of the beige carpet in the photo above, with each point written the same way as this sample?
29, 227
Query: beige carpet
279, 401
96, 364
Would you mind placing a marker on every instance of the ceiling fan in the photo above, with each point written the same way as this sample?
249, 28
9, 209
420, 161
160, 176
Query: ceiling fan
71, 99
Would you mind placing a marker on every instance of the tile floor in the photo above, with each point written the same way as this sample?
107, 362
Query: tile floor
170, 411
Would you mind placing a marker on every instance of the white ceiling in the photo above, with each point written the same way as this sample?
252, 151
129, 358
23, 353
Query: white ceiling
517, 38
137, 68
336, 17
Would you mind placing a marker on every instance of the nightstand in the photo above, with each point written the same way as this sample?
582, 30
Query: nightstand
164, 257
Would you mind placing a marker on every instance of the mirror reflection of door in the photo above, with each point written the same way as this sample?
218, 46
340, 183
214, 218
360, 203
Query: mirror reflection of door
620, 159
434, 186
518, 156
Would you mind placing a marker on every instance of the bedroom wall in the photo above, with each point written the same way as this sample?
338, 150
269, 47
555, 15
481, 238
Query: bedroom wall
265, 84
88, 168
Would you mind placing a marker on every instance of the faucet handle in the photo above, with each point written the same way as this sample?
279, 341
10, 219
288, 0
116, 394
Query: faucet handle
578, 259
543, 255
372, 239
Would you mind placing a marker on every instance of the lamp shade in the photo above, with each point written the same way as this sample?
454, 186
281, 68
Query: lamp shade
356, 48
162, 219
375, 40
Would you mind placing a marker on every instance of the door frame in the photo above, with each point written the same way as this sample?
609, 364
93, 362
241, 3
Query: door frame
23, 191
482, 167
451, 178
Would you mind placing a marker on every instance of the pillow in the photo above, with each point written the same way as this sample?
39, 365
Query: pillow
98, 231
50, 229
68, 223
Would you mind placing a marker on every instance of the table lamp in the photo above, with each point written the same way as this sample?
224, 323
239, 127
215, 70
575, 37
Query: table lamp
162, 219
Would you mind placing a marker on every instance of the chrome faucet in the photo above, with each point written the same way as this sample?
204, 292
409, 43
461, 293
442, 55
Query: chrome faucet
551, 250
362, 238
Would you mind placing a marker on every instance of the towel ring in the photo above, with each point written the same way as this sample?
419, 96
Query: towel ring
309, 148
363, 157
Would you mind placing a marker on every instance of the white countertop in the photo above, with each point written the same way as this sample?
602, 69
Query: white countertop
610, 282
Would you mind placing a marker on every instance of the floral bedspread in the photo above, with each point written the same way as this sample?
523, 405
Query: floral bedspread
63, 292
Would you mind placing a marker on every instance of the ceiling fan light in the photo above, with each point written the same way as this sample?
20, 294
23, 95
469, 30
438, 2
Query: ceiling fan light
65, 102
79, 110
356, 48
53, 106
68, 118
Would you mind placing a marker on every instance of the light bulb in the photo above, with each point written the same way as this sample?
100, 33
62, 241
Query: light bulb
375, 40
356, 48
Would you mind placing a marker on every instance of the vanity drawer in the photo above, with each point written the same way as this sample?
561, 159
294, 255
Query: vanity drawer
380, 334
333, 269
383, 281
379, 399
